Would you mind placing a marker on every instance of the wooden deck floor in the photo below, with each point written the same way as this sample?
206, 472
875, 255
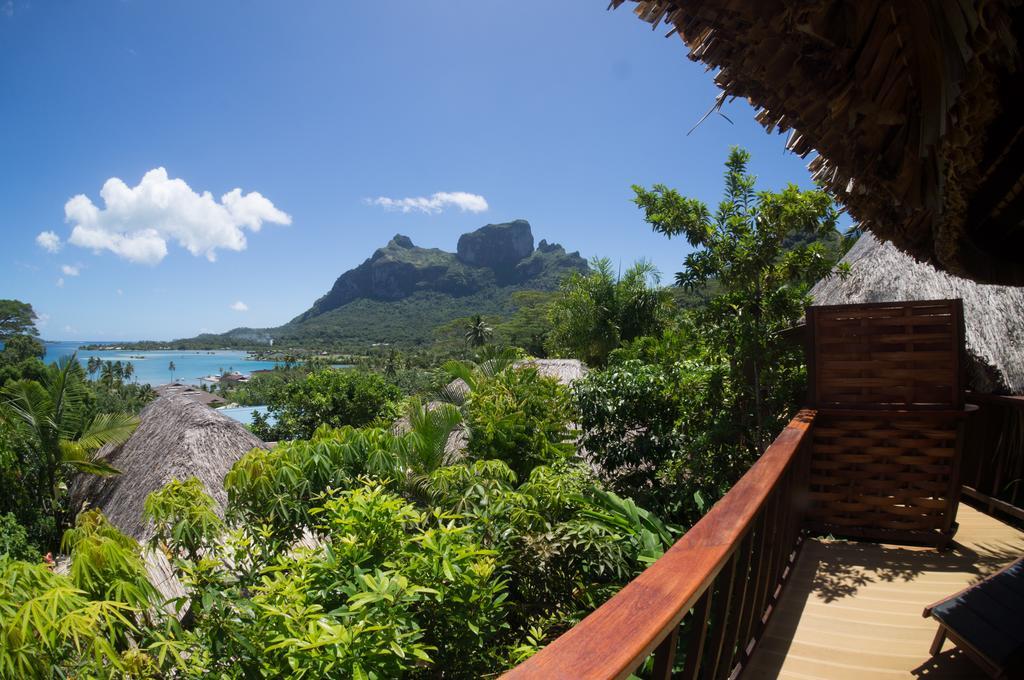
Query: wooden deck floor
853, 610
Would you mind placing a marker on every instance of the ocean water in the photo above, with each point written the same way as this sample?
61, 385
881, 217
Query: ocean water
152, 367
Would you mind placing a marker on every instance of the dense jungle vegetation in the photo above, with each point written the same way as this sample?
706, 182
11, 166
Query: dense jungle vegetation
405, 528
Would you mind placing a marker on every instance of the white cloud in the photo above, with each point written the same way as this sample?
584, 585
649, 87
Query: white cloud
71, 270
48, 241
434, 203
120, 292
137, 222
42, 319
60, 282
240, 306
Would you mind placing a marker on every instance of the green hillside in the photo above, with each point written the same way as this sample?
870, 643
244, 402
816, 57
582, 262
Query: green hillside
404, 292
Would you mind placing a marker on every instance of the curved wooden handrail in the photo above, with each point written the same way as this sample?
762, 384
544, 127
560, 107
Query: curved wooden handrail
620, 634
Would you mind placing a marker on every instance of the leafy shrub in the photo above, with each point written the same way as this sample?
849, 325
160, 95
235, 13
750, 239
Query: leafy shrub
183, 518
521, 418
332, 398
628, 419
14, 542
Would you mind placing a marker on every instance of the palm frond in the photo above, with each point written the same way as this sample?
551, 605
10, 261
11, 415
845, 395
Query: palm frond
108, 428
30, 403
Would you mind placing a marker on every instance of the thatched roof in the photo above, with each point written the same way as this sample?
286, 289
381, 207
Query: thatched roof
176, 439
914, 107
565, 371
197, 395
993, 315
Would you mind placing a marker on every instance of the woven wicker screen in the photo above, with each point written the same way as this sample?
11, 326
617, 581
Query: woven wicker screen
890, 355
885, 379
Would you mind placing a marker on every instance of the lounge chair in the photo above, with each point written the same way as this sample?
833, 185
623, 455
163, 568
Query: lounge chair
986, 621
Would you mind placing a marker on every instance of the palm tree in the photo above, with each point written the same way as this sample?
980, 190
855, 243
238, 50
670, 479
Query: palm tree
172, 368
391, 364
479, 332
493, 361
424, 448
94, 365
107, 373
64, 433
129, 371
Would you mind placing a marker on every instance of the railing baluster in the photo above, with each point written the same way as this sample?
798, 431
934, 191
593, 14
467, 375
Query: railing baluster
749, 606
665, 656
720, 614
765, 575
698, 634
733, 628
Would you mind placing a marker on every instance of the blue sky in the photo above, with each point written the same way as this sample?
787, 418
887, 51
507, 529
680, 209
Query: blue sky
549, 111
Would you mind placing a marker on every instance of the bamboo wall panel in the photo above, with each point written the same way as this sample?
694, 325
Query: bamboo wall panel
886, 379
884, 356
885, 476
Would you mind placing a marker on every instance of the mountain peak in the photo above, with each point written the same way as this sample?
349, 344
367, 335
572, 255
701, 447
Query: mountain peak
497, 246
493, 258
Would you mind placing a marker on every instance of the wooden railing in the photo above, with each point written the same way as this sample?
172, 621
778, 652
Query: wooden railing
701, 607
992, 471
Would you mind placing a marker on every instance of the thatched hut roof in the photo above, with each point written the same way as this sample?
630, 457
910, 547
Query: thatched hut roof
197, 395
177, 438
913, 106
993, 315
565, 371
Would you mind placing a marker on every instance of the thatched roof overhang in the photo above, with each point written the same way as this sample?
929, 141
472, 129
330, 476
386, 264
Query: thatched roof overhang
914, 107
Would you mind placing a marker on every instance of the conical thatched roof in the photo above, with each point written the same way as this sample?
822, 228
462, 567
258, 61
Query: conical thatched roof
993, 315
176, 439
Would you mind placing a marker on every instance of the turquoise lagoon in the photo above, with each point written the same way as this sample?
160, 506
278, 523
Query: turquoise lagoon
152, 367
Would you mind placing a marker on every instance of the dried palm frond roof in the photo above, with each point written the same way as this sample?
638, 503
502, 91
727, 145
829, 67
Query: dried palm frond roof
177, 438
993, 315
565, 371
914, 107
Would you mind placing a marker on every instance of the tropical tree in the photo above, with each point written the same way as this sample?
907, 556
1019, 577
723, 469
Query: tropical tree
597, 311
391, 364
65, 434
22, 349
129, 371
16, 318
474, 374
93, 365
762, 250
478, 332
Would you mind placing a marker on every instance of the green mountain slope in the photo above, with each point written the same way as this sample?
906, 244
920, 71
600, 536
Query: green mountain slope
403, 292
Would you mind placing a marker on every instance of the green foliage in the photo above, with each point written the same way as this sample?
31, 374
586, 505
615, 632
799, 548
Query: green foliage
478, 332
595, 312
628, 416
14, 541
183, 518
764, 250
521, 418
106, 564
49, 628
329, 397
64, 431
16, 318
20, 357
